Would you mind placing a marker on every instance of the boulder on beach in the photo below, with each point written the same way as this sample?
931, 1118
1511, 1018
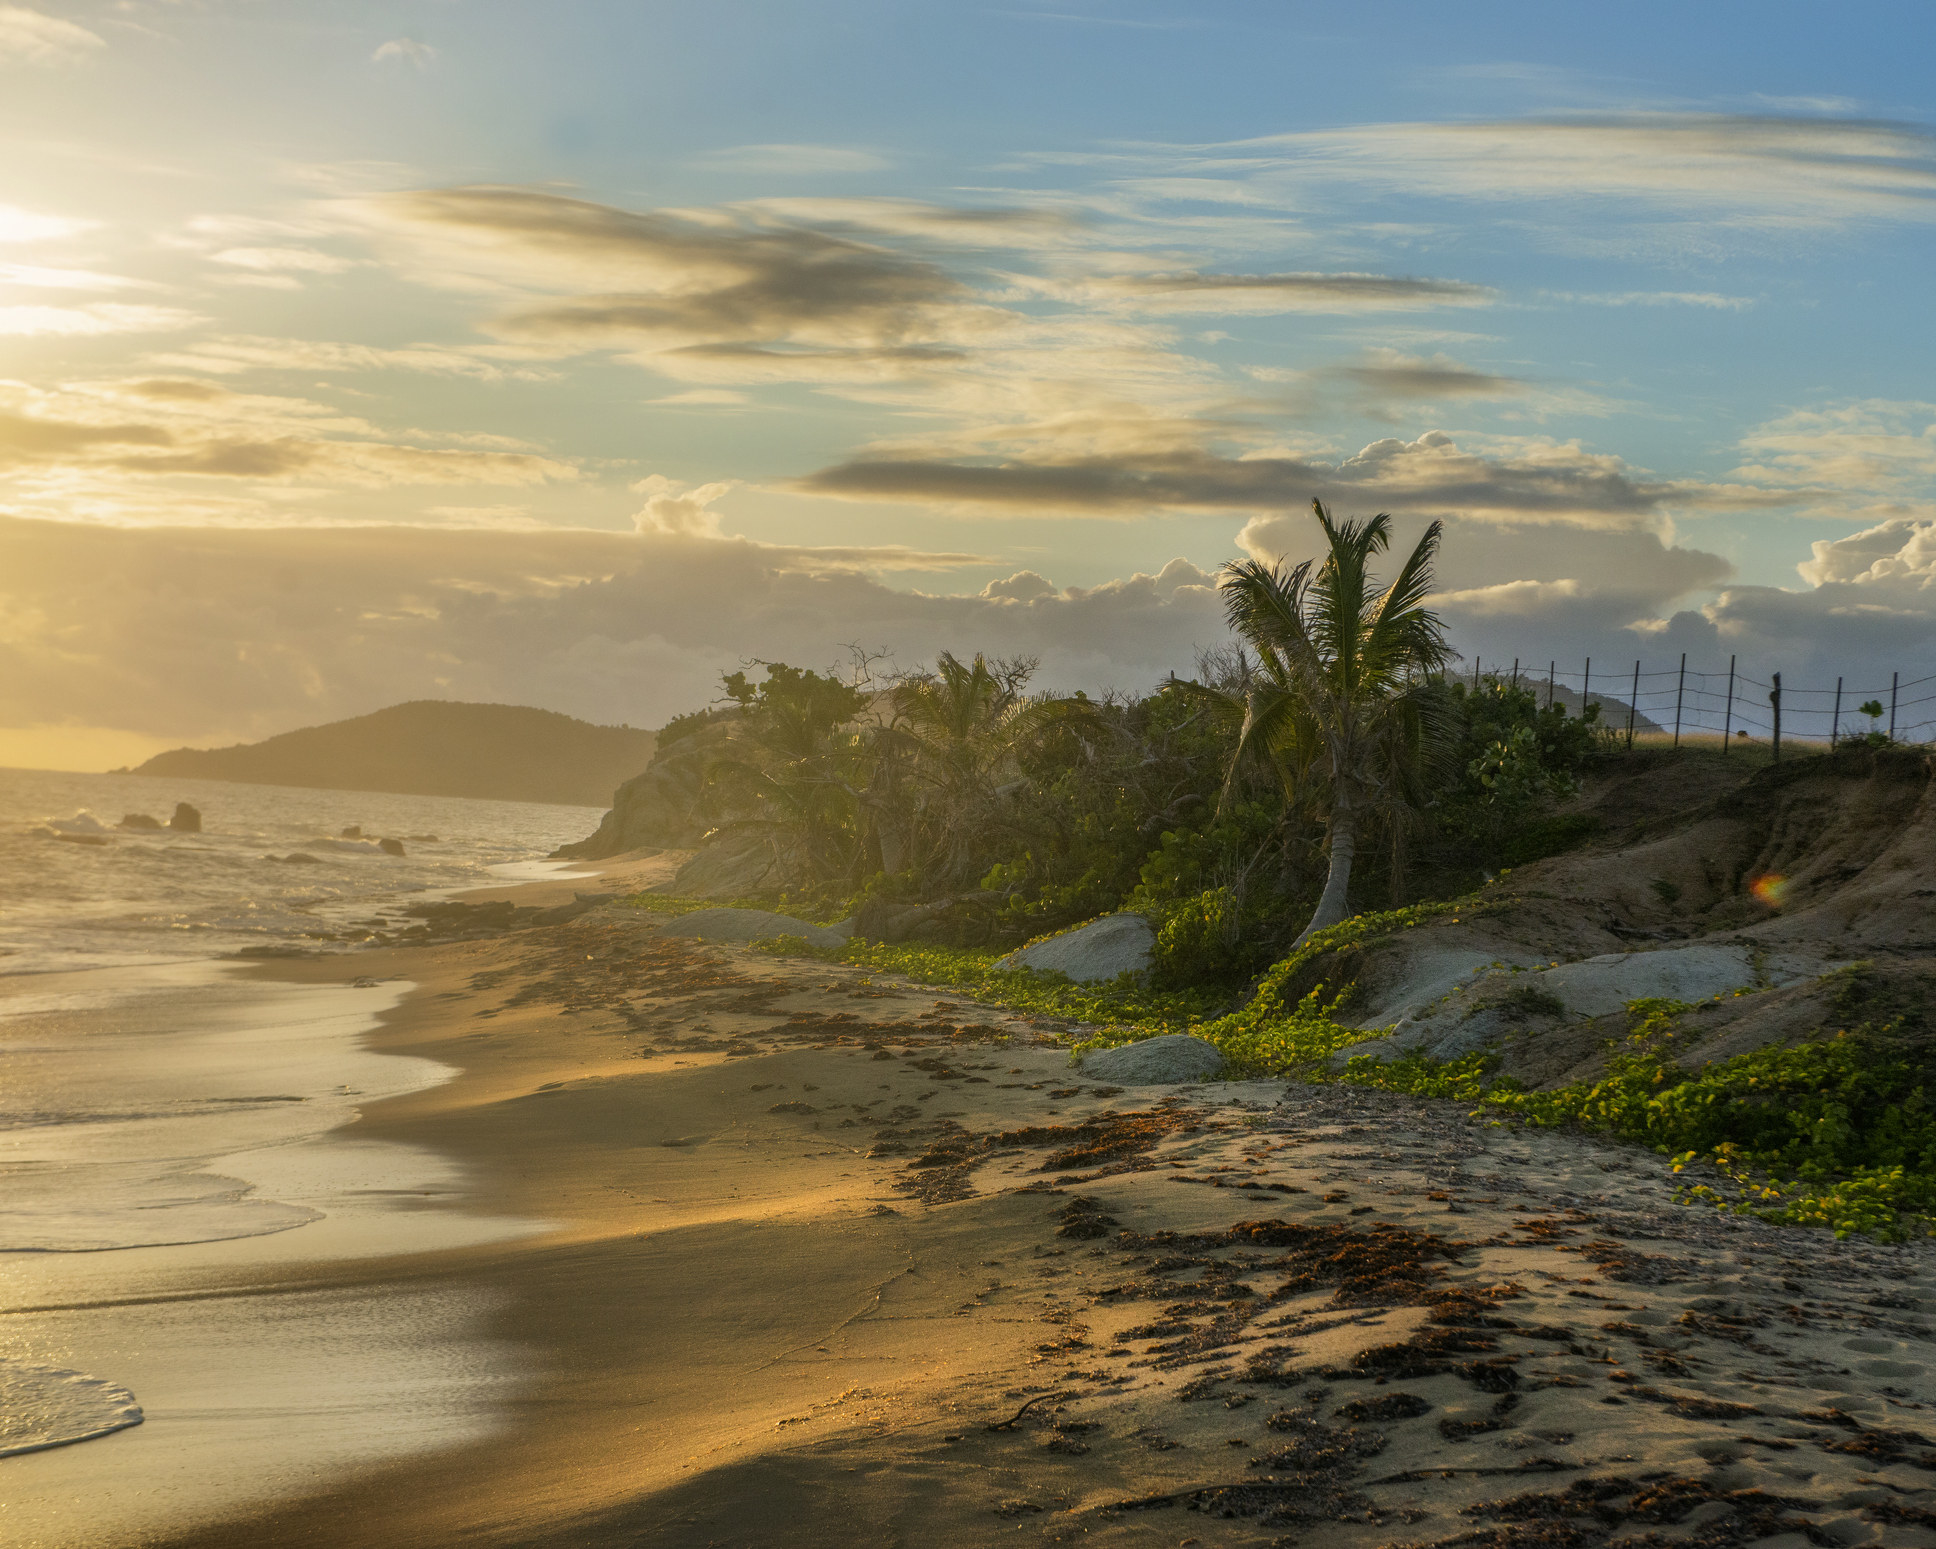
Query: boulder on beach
390, 846
1174, 1057
139, 820
753, 925
1102, 949
186, 819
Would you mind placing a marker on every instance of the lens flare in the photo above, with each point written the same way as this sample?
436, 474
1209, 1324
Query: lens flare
1769, 888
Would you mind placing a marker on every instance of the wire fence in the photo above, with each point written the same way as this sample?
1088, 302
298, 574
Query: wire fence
1684, 701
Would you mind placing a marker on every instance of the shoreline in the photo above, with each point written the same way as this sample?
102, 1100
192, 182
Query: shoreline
793, 1243
814, 1241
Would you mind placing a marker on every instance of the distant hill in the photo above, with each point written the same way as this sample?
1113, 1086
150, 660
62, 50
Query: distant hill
435, 747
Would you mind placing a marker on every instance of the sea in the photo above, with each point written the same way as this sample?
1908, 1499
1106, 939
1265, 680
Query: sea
167, 1115
272, 867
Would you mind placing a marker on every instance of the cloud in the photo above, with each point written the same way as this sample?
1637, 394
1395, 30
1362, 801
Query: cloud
30, 37
38, 277
405, 51
1194, 291
110, 627
675, 514
1712, 165
140, 429
1386, 373
703, 398
1712, 300
1879, 447
788, 160
1532, 481
660, 281
102, 317
229, 354
18, 225
1869, 610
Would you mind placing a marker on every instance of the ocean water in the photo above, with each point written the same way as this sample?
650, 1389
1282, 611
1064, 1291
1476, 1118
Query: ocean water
77, 890
164, 1114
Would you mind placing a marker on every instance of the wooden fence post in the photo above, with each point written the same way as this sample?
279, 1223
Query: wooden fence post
1774, 698
1835, 726
1894, 678
1727, 715
1633, 704
1680, 693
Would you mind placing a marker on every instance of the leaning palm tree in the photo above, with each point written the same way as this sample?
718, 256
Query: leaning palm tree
1342, 704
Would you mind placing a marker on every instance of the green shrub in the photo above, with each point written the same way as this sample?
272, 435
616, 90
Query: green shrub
1200, 940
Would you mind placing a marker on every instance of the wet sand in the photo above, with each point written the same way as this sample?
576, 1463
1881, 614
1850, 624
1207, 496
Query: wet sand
814, 1240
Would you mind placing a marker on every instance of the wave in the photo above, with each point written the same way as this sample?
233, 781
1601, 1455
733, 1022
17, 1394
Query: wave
49, 1406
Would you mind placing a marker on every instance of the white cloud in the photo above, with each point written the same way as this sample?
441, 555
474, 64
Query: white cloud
102, 317
301, 260
18, 225
1713, 167
703, 398
1884, 448
1712, 300
39, 277
31, 37
229, 354
405, 51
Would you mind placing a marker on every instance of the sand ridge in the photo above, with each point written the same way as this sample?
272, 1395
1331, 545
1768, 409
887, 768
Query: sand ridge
819, 1238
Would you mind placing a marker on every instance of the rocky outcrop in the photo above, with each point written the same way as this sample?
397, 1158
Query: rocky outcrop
1173, 1058
186, 819
1102, 949
140, 821
658, 809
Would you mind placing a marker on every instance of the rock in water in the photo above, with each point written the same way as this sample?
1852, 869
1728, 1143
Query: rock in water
186, 819
1156, 1061
354, 831
390, 846
1117, 943
140, 820
751, 925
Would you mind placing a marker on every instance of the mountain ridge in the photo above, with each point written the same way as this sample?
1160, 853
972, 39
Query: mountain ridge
434, 747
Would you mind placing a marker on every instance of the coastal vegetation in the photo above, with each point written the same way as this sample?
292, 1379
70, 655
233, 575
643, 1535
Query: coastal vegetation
1322, 763
1313, 792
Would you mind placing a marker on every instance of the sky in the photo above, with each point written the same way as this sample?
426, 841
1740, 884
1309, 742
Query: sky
575, 354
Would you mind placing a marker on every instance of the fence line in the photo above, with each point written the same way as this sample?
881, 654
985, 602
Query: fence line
1683, 700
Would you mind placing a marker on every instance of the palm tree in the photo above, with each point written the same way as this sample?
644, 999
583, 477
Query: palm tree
1339, 705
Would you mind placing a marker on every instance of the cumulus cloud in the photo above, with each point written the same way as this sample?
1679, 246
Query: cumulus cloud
34, 38
1881, 448
406, 51
109, 627
1869, 610
674, 513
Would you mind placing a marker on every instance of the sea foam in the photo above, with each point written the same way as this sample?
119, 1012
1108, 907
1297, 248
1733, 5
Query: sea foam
48, 1406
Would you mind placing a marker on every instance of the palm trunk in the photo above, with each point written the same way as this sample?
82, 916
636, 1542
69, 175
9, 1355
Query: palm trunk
1332, 906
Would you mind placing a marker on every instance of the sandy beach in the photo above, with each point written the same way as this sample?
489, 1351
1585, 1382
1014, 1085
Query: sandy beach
814, 1259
